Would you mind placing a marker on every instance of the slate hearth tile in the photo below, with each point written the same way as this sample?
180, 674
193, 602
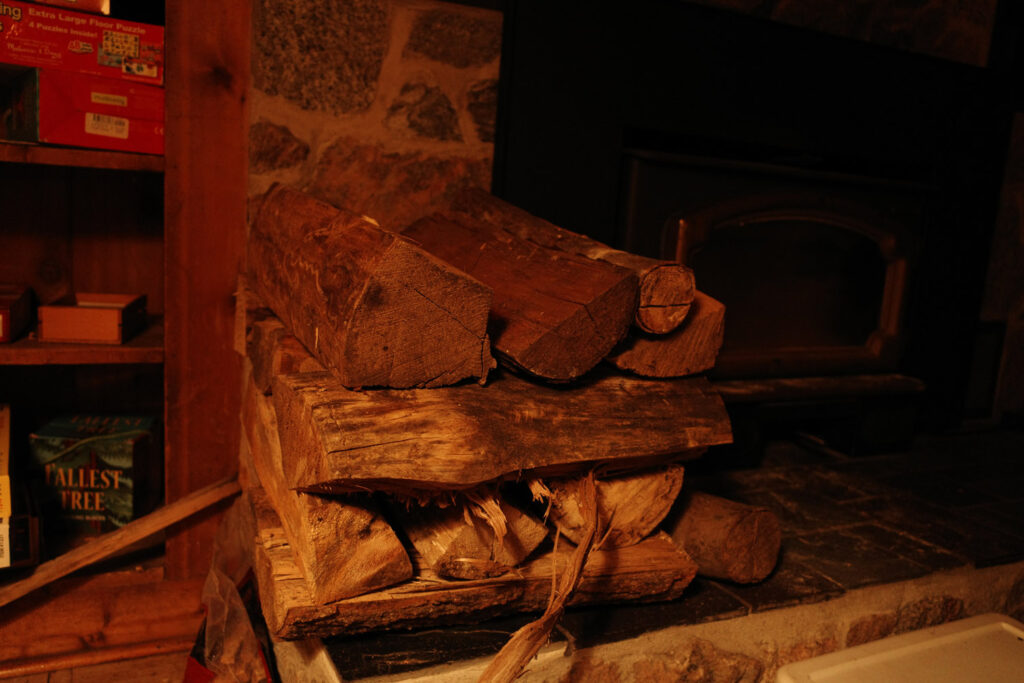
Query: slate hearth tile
801, 511
792, 583
850, 558
940, 489
910, 547
978, 535
1008, 486
702, 601
394, 652
843, 487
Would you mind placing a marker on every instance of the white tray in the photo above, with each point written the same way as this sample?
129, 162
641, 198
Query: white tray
988, 648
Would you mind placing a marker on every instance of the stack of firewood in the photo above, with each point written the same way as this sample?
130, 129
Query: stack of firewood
399, 477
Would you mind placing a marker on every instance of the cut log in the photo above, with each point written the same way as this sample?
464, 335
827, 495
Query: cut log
368, 304
343, 548
334, 439
274, 351
555, 315
653, 570
727, 540
666, 287
690, 349
630, 505
475, 539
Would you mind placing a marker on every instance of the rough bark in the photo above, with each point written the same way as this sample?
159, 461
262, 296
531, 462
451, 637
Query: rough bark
653, 570
343, 548
554, 315
334, 439
690, 349
630, 506
727, 540
368, 304
273, 351
666, 287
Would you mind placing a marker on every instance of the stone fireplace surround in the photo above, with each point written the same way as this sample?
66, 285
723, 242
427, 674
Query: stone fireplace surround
387, 107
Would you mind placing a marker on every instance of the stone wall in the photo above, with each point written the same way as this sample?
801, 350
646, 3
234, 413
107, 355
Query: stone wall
384, 107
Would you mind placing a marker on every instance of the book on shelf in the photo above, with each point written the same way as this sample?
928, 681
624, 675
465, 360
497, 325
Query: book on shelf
92, 474
19, 529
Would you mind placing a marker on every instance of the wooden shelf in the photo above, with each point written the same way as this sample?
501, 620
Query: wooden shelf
145, 347
24, 153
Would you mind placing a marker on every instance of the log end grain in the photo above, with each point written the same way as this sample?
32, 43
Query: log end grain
666, 293
420, 323
727, 540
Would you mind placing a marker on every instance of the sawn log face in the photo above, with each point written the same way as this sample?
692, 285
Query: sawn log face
337, 439
554, 315
691, 348
666, 287
368, 304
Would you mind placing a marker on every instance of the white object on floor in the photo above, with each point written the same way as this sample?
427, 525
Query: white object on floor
988, 648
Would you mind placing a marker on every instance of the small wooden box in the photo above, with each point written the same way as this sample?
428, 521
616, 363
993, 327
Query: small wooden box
15, 311
90, 318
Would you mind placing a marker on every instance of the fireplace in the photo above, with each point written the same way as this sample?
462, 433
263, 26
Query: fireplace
837, 196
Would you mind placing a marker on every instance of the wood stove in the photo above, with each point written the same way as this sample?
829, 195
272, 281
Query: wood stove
837, 196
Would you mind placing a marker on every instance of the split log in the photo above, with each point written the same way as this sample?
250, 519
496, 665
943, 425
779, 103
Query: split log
727, 540
653, 570
471, 539
629, 506
334, 439
343, 548
690, 349
554, 315
274, 351
368, 304
666, 287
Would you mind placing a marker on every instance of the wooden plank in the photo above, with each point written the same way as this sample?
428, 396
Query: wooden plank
369, 304
728, 540
334, 439
649, 571
687, 350
800, 388
555, 315
343, 548
205, 185
151, 660
666, 287
106, 545
145, 347
21, 153
115, 610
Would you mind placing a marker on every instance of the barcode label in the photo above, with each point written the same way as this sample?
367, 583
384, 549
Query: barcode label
109, 126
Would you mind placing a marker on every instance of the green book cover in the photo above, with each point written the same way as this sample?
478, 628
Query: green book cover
86, 472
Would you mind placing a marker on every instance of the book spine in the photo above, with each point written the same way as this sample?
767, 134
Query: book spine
5, 543
5, 457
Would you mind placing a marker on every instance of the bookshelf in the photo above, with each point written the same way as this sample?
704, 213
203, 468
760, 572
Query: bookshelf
171, 227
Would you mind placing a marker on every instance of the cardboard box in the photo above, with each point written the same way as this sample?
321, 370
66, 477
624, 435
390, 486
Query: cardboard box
65, 108
92, 474
48, 37
92, 318
15, 311
94, 6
